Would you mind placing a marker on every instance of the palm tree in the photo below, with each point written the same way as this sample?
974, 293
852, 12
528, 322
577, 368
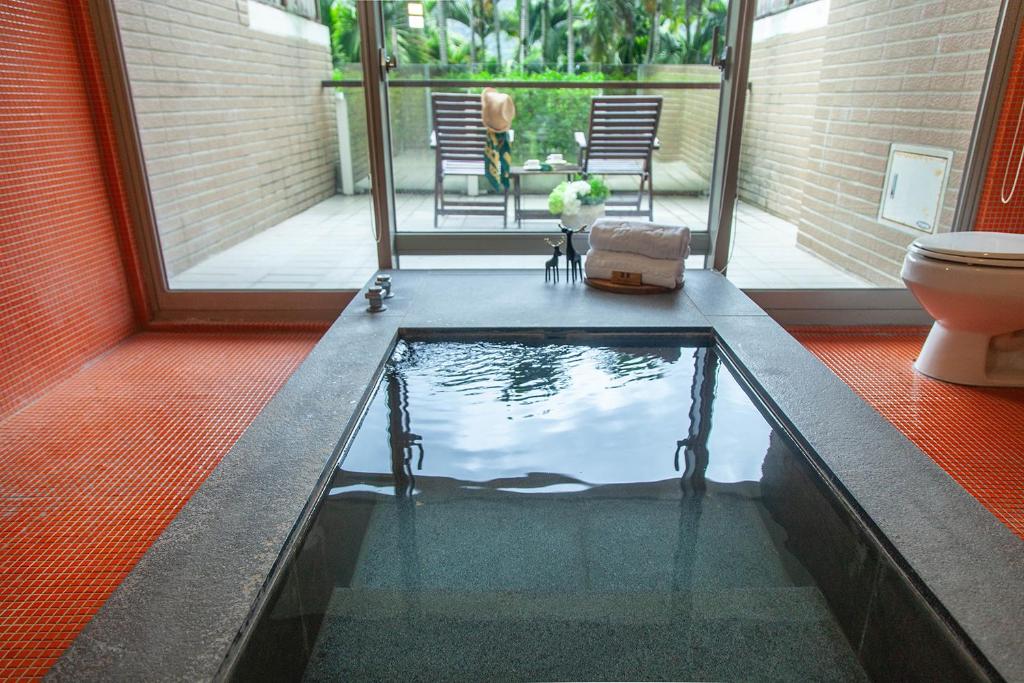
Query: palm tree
408, 44
698, 20
442, 32
472, 30
465, 13
571, 42
343, 22
653, 8
605, 29
496, 23
524, 30
551, 29
612, 31
545, 24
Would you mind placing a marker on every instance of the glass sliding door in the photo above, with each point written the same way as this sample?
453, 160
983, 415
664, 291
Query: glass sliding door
856, 133
258, 176
447, 48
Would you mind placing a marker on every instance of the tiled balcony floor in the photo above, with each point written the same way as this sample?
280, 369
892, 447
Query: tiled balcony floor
331, 246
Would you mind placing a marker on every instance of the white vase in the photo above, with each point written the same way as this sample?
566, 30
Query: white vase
587, 214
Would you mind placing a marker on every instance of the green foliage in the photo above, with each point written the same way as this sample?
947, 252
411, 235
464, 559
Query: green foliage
611, 39
343, 22
689, 38
547, 119
599, 190
605, 32
569, 195
556, 200
609, 30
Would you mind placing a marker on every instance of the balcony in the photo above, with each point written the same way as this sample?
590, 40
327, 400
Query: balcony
331, 246
257, 172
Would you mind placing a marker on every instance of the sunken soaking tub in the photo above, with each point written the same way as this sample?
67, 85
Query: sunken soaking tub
502, 479
597, 507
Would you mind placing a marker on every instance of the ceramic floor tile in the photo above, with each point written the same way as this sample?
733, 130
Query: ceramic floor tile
84, 497
336, 233
976, 434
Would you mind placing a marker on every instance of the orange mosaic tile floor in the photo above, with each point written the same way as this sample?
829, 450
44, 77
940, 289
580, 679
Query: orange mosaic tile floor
82, 497
94, 470
976, 434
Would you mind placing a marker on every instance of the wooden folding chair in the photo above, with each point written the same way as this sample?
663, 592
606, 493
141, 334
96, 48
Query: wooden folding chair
458, 140
622, 138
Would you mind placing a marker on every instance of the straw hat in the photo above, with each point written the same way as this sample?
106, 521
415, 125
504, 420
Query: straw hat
498, 110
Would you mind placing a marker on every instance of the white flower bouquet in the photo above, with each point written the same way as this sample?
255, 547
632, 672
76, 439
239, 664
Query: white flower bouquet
580, 201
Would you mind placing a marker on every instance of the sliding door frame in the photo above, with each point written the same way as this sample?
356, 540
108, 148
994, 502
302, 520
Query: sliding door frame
729, 138
813, 306
182, 306
378, 122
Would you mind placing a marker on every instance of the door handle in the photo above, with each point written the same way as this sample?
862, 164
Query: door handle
717, 58
388, 63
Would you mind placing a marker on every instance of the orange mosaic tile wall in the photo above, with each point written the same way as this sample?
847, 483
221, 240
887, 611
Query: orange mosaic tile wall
1005, 162
103, 122
63, 292
83, 497
976, 434
104, 436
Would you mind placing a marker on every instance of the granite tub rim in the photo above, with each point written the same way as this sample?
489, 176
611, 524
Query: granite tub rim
424, 298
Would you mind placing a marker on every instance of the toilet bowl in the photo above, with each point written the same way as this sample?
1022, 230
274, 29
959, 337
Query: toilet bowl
972, 283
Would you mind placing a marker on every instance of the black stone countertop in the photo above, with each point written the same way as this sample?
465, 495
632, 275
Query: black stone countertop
179, 612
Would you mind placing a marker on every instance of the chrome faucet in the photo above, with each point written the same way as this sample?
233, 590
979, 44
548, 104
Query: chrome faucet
376, 299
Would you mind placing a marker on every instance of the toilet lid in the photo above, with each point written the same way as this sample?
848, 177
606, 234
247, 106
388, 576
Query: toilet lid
980, 248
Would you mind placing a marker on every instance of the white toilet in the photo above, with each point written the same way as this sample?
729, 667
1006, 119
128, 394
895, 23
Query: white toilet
972, 283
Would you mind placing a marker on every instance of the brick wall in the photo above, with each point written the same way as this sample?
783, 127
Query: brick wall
784, 74
907, 72
993, 213
237, 133
63, 293
689, 121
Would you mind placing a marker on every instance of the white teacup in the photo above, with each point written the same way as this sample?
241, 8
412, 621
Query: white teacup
556, 159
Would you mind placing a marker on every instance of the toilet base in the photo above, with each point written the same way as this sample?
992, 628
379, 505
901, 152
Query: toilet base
962, 357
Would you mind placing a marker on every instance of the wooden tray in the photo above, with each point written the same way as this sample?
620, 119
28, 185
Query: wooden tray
620, 288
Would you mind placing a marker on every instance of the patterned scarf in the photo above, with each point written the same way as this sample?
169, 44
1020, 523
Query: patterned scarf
497, 159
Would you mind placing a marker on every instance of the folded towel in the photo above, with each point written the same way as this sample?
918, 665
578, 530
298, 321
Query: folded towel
662, 272
639, 237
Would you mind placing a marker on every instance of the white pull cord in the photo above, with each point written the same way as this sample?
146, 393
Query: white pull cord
375, 230
1003, 196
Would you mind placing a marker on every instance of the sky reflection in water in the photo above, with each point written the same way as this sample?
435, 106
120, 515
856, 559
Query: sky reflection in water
595, 414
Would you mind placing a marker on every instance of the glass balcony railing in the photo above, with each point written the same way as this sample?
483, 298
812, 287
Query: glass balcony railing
550, 109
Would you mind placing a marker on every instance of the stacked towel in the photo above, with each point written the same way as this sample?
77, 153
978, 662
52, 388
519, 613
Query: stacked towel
637, 237
655, 252
662, 272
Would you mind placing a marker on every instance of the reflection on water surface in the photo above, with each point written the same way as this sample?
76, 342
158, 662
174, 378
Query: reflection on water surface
514, 510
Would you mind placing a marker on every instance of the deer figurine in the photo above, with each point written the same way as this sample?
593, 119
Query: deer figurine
573, 265
551, 265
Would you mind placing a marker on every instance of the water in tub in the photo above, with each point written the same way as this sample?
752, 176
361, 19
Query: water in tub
528, 511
